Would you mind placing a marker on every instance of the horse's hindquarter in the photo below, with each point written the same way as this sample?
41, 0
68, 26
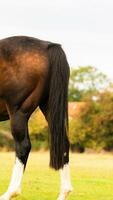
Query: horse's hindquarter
23, 74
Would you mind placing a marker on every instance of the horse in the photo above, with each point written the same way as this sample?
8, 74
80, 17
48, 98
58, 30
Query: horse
35, 73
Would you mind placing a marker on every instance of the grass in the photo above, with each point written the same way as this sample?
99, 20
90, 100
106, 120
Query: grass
92, 177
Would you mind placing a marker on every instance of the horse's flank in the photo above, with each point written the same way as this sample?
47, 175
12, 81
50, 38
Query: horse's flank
23, 62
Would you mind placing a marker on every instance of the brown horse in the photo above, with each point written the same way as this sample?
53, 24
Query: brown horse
35, 73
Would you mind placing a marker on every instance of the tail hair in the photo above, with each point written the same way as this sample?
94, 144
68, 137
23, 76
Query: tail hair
58, 106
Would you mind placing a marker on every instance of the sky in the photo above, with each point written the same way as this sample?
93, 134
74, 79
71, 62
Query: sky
83, 27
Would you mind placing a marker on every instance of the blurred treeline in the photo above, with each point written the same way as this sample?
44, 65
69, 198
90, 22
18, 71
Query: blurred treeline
90, 115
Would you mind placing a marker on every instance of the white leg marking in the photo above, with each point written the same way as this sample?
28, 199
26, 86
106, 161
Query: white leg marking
15, 184
66, 186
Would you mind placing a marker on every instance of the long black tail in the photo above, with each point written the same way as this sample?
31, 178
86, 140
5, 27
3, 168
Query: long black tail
58, 107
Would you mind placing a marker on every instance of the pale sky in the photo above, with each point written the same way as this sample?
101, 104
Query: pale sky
83, 27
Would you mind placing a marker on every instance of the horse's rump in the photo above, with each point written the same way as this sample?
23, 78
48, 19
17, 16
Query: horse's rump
23, 62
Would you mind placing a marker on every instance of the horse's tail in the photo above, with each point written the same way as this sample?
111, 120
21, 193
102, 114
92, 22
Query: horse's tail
58, 107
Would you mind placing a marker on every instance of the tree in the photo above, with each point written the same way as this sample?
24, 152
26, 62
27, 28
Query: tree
86, 82
93, 127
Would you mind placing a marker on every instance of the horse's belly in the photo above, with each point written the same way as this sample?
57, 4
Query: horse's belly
3, 111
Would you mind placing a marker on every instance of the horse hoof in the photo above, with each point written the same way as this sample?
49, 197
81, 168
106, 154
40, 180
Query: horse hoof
65, 194
15, 194
8, 196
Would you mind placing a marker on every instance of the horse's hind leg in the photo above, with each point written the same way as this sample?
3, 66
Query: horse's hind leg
66, 186
22, 146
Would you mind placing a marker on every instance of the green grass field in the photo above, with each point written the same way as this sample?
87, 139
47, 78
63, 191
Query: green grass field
92, 177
